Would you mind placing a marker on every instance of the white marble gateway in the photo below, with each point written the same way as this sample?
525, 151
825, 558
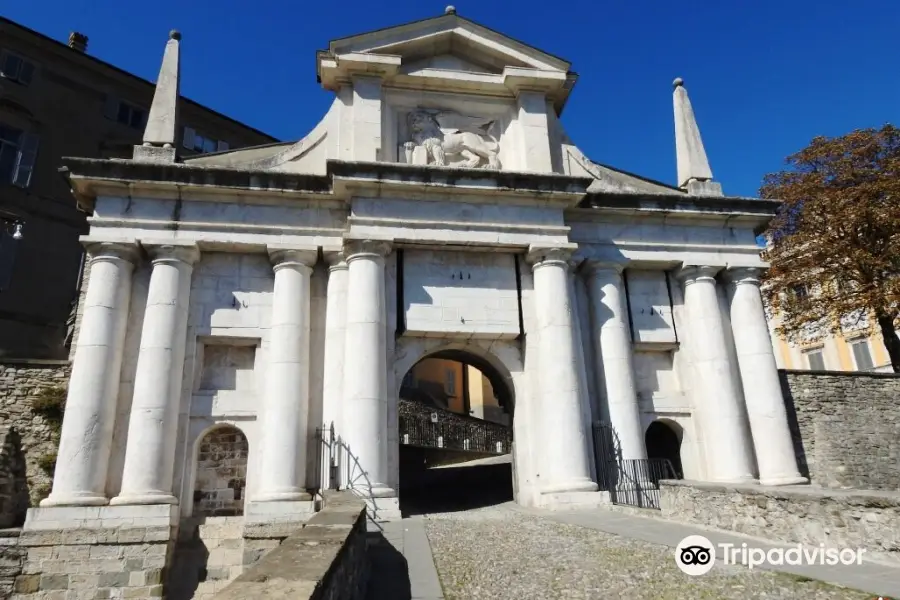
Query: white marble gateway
438, 205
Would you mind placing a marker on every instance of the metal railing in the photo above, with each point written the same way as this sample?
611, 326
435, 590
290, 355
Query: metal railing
331, 455
428, 427
635, 481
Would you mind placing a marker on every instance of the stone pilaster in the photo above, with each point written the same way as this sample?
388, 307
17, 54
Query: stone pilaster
152, 426
721, 409
772, 441
282, 474
364, 418
565, 465
615, 360
82, 462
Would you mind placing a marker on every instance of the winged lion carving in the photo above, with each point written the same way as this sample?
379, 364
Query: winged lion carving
444, 133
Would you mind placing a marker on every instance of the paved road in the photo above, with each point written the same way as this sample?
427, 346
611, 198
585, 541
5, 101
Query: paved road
505, 552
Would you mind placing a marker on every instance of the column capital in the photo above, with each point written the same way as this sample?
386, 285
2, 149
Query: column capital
744, 275
335, 260
357, 248
561, 255
693, 273
593, 266
172, 251
126, 251
285, 256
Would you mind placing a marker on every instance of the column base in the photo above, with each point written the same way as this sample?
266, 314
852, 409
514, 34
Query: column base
736, 481
150, 498
574, 500
784, 480
376, 490
290, 496
285, 511
379, 509
576, 485
75, 499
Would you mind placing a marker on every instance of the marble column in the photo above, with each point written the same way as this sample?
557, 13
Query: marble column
335, 334
282, 464
82, 462
775, 456
153, 423
722, 414
564, 432
364, 418
615, 357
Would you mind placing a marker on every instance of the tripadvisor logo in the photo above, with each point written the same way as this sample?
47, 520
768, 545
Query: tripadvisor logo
695, 555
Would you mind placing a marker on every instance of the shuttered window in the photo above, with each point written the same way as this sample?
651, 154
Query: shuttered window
862, 355
18, 154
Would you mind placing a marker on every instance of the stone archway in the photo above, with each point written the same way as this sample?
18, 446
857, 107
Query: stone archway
663, 439
455, 424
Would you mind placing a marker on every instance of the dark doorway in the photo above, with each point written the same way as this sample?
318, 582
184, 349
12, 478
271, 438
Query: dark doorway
663, 441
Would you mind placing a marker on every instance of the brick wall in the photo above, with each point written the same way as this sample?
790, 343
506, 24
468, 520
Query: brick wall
846, 427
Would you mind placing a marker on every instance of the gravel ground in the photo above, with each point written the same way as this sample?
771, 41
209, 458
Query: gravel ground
498, 554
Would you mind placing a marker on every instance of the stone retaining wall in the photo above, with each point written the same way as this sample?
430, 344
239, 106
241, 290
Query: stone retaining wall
846, 427
326, 559
106, 552
20, 382
808, 515
12, 559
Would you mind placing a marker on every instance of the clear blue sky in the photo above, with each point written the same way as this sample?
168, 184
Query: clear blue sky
764, 76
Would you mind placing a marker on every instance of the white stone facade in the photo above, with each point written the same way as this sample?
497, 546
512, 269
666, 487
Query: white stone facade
278, 289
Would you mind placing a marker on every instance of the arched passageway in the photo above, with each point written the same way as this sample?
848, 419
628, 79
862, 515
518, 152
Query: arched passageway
663, 440
455, 433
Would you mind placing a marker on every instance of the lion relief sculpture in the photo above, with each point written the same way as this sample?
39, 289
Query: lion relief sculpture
443, 134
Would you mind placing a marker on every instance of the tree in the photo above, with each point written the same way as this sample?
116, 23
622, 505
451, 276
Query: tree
834, 246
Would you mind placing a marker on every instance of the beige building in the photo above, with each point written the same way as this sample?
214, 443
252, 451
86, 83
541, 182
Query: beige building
56, 100
458, 387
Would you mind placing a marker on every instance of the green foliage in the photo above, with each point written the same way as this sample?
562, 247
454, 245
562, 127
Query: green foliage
47, 463
50, 403
39, 492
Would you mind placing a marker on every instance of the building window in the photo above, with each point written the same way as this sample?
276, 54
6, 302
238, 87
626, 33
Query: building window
201, 143
815, 359
18, 152
125, 113
132, 116
799, 293
15, 68
862, 355
450, 382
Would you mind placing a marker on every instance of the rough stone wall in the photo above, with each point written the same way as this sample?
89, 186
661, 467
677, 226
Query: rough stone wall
801, 514
846, 427
20, 383
14, 499
221, 473
12, 559
326, 559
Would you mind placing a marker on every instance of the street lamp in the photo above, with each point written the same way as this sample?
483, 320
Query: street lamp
13, 227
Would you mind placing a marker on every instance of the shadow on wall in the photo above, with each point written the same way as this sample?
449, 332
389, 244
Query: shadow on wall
794, 425
14, 493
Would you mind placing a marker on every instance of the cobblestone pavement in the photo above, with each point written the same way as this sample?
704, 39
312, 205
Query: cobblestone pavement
499, 553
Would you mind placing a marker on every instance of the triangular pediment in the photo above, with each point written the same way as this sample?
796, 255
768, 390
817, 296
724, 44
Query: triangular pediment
453, 39
450, 62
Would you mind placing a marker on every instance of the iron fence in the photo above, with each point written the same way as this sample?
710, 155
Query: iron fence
331, 456
635, 481
436, 428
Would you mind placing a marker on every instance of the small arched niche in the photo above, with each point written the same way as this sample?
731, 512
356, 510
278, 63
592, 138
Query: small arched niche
663, 440
221, 480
